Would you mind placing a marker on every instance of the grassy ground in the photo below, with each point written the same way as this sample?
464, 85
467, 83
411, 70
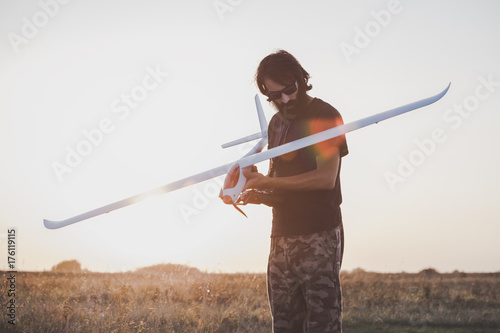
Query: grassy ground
172, 298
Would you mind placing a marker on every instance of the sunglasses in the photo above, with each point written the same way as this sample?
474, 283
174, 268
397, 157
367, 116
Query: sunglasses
273, 95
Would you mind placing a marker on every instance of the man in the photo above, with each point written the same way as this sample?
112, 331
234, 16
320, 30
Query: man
307, 234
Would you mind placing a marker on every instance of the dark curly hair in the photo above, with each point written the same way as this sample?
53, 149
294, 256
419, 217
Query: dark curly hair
282, 68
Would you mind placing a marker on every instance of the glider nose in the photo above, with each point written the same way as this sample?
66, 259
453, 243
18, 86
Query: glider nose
232, 179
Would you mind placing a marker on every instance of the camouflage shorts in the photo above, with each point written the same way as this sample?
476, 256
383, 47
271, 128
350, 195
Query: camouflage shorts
304, 284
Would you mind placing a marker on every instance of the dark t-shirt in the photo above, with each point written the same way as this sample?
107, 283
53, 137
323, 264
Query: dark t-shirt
306, 212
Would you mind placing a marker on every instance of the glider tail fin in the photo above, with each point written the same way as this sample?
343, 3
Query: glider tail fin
262, 117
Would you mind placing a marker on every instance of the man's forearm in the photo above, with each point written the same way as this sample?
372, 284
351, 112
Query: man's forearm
323, 178
314, 180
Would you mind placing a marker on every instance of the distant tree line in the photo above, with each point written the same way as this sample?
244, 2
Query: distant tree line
68, 266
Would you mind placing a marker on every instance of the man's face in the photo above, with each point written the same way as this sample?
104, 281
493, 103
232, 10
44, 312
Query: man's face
285, 102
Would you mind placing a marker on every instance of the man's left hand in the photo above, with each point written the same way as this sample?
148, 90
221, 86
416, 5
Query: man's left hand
255, 180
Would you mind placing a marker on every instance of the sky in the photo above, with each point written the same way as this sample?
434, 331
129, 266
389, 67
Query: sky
101, 100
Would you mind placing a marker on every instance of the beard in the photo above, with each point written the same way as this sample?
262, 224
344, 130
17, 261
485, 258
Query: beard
293, 107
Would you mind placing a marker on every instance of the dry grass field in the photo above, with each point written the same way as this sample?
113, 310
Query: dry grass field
174, 298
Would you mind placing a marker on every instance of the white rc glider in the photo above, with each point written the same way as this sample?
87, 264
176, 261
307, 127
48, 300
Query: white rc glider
235, 180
